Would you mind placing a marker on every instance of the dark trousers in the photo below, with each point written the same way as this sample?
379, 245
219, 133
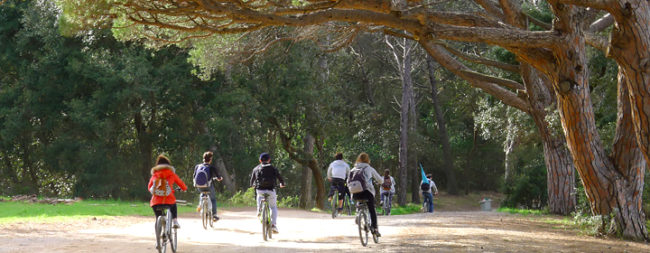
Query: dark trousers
366, 195
339, 185
158, 210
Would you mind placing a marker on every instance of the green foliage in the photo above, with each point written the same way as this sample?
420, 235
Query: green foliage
401, 210
240, 198
527, 187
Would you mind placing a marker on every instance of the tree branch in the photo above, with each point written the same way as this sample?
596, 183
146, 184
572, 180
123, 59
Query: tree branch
598, 4
438, 53
490, 7
492, 79
601, 23
542, 24
481, 60
497, 36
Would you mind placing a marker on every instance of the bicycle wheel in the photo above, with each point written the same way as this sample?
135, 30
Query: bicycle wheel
385, 210
335, 202
363, 228
205, 214
163, 233
424, 206
269, 226
265, 221
171, 233
159, 232
348, 205
210, 218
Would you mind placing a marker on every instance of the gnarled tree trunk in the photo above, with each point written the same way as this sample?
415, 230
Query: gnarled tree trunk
560, 172
305, 181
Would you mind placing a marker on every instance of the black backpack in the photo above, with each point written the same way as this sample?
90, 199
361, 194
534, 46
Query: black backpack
266, 177
425, 186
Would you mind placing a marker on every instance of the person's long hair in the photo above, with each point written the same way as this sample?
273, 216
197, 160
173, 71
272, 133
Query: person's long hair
363, 158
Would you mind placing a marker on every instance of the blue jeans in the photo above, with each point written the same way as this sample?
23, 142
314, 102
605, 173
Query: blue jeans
213, 198
272, 203
428, 197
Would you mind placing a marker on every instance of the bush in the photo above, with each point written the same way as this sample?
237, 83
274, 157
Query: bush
528, 189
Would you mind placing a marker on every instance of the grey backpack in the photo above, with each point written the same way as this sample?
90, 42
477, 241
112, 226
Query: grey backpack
357, 181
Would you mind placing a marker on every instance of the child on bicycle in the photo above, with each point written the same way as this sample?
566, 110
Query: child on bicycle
387, 189
363, 164
428, 189
337, 173
263, 179
161, 187
204, 175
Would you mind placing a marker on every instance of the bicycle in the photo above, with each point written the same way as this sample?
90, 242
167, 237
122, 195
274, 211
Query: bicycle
387, 204
206, 210
266, 218
362, 222
335, 204
165, 232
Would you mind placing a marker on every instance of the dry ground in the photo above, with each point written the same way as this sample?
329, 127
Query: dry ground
302, 231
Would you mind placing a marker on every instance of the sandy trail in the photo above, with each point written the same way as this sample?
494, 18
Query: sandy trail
301, 231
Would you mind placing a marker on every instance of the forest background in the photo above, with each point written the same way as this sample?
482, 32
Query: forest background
84, 115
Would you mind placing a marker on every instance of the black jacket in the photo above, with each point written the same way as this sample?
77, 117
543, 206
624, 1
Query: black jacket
256, 173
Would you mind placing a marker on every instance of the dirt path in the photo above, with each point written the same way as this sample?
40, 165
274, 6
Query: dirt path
302, 231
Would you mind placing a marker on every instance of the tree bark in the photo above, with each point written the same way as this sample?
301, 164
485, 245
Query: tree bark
630, 47
452, 184
412, 125
560, 171
305, 182
404, 131
508, 148
631, 167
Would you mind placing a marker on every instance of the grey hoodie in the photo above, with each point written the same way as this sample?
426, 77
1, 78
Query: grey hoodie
369, 173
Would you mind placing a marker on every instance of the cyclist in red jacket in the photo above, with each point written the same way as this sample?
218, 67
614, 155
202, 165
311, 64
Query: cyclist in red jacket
161, 186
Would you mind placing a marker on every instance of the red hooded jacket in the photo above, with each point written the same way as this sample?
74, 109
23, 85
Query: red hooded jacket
165, 171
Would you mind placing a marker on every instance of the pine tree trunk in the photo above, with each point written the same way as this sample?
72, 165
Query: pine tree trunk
631, 168
452, 185
611, 184
403, 146
228, 180
413, 153
630, 47
306, 175
145, 146
559, 163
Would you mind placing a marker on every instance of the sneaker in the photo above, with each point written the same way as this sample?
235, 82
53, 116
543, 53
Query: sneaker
176, 225
340, 209
381, 203
274, 229
215, 218
198, 209
375, 231
329, 199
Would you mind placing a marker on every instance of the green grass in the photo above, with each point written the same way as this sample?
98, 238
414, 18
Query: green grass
521, 211
22, 211
401, 210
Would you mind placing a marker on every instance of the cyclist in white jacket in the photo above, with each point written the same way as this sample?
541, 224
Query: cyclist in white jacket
337, 174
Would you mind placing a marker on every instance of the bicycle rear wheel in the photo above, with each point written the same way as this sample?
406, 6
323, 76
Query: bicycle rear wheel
205, 214
265, 222
347, 204
210, 218
171, 233
269, 225
335, 202
160, 224
363, 228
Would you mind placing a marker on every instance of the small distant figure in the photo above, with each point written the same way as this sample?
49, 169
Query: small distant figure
161, 187
428, 189
204, 175
337, 174
263, 179
387, 189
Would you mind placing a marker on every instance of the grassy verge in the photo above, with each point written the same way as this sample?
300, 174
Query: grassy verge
11, 212
522, 211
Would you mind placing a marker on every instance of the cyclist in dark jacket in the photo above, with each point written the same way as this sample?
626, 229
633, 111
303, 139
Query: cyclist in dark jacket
264, 178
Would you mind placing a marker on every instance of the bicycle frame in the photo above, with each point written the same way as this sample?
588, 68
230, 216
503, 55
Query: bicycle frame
164, 231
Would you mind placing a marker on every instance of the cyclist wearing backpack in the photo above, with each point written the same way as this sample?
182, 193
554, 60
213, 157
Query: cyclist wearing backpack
204, 175
360, 185
337, 173
387, 189
264, 178
163, 178
428, 189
